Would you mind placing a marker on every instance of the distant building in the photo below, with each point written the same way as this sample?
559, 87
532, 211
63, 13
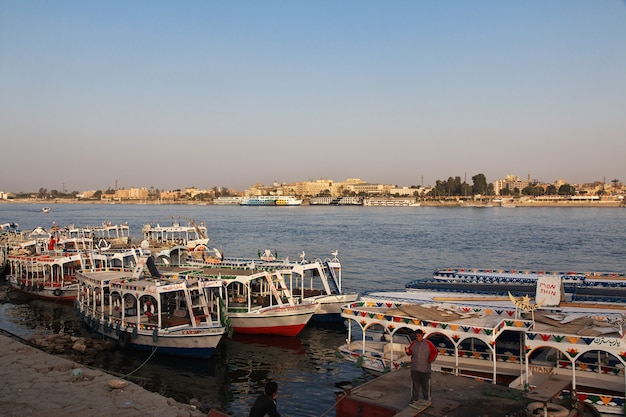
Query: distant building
510, 182
131, 194
86, 194
313, 188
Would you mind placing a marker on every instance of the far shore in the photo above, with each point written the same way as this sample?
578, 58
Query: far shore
425, 203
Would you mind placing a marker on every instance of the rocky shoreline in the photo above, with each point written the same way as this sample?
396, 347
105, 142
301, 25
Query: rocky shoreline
36, 383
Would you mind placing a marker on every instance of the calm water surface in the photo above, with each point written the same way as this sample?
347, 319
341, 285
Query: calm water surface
380, 249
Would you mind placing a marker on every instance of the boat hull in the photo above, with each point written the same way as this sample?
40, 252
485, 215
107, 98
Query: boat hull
375, 358
329, 306
66, 293
279, 320
187, 342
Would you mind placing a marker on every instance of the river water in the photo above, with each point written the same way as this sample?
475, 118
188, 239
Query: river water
381, 248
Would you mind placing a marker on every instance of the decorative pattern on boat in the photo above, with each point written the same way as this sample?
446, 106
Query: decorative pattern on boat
609, 404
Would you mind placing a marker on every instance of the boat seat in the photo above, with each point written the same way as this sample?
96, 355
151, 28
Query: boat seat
399, 350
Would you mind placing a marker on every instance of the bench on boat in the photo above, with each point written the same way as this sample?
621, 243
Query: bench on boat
399, 350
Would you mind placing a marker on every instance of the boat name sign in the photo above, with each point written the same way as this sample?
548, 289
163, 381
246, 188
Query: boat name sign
610, 341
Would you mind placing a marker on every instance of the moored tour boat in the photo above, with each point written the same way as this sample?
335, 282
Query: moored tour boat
577, 286
146, 311
9, 232
48, 276
319, 281
104, 236
260, 302
173, 244
505, 340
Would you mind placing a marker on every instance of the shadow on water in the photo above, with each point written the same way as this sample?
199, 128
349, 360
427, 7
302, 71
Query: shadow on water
305, 368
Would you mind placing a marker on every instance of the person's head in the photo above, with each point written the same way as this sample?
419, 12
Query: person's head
419, 334
271, 389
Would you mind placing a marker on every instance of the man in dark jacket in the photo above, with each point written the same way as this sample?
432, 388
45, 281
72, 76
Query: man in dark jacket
265, 404
423, 353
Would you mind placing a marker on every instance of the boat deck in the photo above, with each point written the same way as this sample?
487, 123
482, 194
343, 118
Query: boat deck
452, 396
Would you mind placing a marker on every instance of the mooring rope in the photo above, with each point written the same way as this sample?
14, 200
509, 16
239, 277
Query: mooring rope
141, 366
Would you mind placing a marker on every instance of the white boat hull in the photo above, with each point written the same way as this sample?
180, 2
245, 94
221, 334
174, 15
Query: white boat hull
276, 320
329, 306
198, 342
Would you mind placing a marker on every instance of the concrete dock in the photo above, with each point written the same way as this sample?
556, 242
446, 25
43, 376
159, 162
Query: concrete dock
36, 384
452, 396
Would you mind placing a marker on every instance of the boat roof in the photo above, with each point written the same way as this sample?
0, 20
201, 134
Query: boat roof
544, 321
124, 279
491, 313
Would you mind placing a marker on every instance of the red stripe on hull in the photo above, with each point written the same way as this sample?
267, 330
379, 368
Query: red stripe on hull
292, 330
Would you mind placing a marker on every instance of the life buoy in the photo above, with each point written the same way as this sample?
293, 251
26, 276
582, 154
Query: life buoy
554, 410
148, 309
57, 292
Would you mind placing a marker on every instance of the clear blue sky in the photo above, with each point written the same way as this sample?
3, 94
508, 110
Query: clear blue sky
170, 94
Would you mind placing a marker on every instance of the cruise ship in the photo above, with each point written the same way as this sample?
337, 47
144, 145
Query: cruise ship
271, 200
228, 201
336, 201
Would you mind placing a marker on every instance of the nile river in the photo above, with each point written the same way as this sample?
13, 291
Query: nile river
380, 248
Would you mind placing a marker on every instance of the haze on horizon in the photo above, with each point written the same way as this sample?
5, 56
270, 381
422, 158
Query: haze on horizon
171, 95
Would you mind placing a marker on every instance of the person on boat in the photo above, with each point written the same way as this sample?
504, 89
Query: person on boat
52, 243
265, 404
423, 353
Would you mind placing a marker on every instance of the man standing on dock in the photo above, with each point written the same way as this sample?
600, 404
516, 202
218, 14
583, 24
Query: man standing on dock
423, 353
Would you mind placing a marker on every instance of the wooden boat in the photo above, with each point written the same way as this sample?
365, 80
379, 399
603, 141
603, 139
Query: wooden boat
262, 303
146, 311
504, 340
319, 281
48, 276
374, 351
174, 243
8, 234
259, 302
104, 236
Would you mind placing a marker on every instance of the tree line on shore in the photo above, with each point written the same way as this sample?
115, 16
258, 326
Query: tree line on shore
452, 187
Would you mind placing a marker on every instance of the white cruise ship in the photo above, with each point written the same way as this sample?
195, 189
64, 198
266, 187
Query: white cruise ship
271, 200
390, 202
228, 201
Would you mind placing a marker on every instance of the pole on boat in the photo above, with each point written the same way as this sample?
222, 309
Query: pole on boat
495, 363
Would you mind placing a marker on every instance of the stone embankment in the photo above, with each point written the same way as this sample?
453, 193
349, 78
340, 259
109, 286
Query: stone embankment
39, 384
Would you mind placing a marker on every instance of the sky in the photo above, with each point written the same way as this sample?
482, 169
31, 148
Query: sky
168, 94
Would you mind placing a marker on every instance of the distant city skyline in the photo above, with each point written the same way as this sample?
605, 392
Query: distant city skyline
172, 95
271, 184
